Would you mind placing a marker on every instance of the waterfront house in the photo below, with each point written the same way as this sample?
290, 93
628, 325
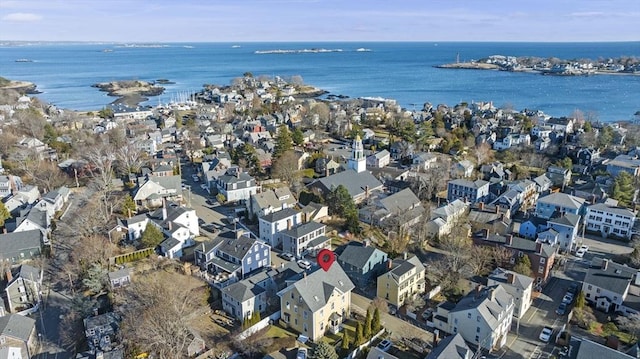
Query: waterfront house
404, 279
362, 263
317, 302
610, 221
482, 317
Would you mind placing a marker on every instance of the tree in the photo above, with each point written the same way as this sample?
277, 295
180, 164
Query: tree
605, 137
580, 300
480, 259
95, 279
345, 339
129, 159
156, 317
285, 167
4, 214
483, 153
152, 236
297, 136
128, 205
359, 334
523, 266
106, 112
367, 324
565, 163
283, 141
630, 324
324, 350
623, 188
221, 198
341, 203
375, 322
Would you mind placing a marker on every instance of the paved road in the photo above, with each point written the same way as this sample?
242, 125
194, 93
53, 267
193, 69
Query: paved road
605, 246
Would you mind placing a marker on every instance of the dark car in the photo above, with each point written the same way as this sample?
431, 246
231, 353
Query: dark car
562, 309
574, 288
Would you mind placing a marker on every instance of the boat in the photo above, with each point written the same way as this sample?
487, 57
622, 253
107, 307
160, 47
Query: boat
235, 46
24, 60
107, 50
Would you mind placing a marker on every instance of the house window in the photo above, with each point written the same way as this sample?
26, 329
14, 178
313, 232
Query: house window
455, 329
478, 329
295, 308
589, 287
477, 320
304, 314
477, 338
288, 306
540, 269
469, 315
598, 290
542, 259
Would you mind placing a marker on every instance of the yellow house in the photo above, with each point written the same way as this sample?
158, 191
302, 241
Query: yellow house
403, 280
316, 303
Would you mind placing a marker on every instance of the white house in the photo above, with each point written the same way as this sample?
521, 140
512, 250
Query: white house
236, 185
610, 220
607, 284
272, 224
518, 285
379, 160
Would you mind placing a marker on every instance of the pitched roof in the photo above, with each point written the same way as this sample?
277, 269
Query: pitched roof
402, 266
615, 277
562, 200
15, 242
469, 184
242, 291
610, 209
358, 256
317, 287
279, 215
303, 229
239, 247
451, 347
400, 201
586, 349
520, 281
490, 302
451, 209
355, 183
17, 326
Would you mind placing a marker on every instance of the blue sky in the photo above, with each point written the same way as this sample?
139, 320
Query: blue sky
319, 20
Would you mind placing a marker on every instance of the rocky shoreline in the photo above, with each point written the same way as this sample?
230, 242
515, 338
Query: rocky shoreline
131, 92
22, 87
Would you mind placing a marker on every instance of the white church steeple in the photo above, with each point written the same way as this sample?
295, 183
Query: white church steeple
357, 162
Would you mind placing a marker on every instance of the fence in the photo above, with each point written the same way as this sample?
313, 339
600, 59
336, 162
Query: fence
259, 325
357, 350
131, 257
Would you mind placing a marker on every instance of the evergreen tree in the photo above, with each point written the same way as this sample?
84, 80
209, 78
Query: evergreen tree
94, 278
297, 136
367, 325
623, 188
359, 334
523, 266
580, 300
128, 205
324, 350
345, 340
341, 203
152, 236
283, 141
4, 214
375, 322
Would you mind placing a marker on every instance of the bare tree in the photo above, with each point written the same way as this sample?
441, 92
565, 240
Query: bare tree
480, 259
44, 174
129, 158
630, 324
285, 167
156, 317
484, 153
30, 122
501, 256
102, 159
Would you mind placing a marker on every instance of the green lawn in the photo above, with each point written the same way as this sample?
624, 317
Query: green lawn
277, 332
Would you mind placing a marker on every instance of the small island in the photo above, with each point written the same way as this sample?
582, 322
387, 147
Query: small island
130, 92
22, 87
552, 66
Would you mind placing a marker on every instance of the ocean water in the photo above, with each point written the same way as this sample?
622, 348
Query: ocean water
403, 71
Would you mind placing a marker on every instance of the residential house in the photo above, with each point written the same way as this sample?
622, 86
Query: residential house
492, 218
468, 191
35, 218
379, 159
363, 264
610, 221
244, 298
269, 201
17, 331
120, 278
543, 184
23, 199
101, 331
151, 191
624, 163
541, 255
482, 317
307, 238
590, 191
377, 353
360, 185
10, 353
23, 288
9, 184
451, 347
462, 169
559, 176
54, 200
559, 203
582, 348
401, 209
566, 227
16, 247
314, 212
588, 156
422, 161
607, 285
271, 225
316, 303
444, 218
404, 279
236, 185
531, 227
516, 284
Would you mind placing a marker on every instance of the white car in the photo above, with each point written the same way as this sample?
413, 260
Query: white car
305, 264
195, 178
302, 353
385, 345
545, 334
581, 251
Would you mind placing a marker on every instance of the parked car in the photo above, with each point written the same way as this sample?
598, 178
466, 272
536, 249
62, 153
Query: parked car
562, 309
302, 353
305, 264
574, 288
385, 345
195, 178
582, 251
286, 255
568, 298
545, 334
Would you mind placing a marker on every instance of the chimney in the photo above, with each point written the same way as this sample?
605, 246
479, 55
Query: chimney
605, 264
436, 337
164, 209
509, 240
9, 275
170, 224
497, 209
326, 169
511, 278
239, 233
478, 291
389, 264
481, 206
405, 255
492, 294
289, 224
367, 242
538, 247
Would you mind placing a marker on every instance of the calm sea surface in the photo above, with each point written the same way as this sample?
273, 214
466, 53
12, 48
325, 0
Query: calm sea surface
402, 71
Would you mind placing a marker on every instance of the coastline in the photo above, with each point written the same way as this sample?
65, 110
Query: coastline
531, 70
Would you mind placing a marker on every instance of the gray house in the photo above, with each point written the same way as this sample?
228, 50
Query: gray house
363, 264
18, 331
16, 247
23, 287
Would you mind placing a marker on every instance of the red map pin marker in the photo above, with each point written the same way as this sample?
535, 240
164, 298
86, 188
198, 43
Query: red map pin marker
326, 259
